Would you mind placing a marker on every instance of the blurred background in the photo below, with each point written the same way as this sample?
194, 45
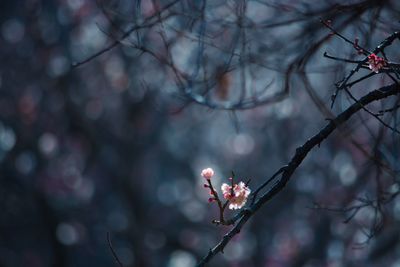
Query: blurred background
117, 144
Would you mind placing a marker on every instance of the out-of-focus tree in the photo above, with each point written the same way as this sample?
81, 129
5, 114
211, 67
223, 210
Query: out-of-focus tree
110, 109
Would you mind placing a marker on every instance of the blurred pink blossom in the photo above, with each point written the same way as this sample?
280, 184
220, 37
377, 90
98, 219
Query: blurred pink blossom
375, 62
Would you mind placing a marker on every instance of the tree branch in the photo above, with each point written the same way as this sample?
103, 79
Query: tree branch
294, 163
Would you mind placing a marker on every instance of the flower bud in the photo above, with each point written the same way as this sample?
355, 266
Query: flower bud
207, 173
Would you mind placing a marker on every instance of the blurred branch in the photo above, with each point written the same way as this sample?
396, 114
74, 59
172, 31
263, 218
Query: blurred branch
146, 24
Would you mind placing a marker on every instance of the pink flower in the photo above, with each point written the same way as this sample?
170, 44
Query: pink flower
375, 63
238, 196
226, 191
207, 173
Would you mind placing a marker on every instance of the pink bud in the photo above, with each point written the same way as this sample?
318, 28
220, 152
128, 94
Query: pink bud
206, 185
211, 199
207, 173
356, 43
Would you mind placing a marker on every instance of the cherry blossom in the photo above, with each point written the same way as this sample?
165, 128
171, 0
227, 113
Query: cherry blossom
375, 63
236, 196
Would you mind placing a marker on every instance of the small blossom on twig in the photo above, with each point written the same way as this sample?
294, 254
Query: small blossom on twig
207, 173
235, 195
375, 63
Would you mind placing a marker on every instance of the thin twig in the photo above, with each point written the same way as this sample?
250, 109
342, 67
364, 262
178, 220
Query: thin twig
113, 251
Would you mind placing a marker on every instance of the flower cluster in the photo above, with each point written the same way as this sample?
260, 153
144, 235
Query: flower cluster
236, 195
375, 63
